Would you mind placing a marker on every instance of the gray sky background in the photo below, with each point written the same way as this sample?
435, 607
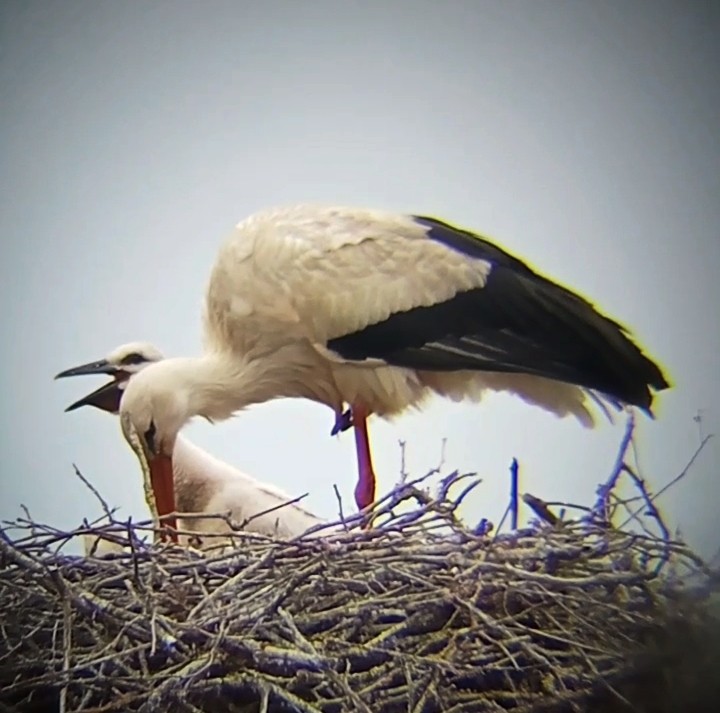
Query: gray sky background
581, 135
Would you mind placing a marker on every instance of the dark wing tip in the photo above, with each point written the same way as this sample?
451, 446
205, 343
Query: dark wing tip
519, 321
655, 381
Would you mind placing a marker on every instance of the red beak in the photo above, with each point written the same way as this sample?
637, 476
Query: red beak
163, 485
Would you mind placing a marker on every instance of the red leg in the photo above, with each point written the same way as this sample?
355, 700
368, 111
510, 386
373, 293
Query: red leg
365, 488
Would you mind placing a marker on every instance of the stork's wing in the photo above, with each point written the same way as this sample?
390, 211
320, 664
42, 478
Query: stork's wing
517, 321
415, 292
319, 273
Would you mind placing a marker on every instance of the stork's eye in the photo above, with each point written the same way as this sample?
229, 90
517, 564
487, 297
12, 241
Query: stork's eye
149, 437
133, 358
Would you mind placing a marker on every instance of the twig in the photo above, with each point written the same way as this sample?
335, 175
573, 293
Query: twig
341, 514
652, 511
514, 502
67, 648
403, 470
441, 464
600, 507
676, 479
106, 508
540, 508
502, 520
243, 525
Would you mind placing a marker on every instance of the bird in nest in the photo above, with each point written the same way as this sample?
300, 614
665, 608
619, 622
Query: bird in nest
370, 313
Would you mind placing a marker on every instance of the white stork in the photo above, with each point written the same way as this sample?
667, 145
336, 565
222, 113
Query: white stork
202, 483
379, 311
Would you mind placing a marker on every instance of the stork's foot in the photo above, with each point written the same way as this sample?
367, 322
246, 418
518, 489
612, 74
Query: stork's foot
343, 421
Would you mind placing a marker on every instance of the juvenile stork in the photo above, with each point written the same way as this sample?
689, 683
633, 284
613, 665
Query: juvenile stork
378, 311
202, 483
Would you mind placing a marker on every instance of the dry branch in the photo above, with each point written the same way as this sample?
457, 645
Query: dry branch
417, 614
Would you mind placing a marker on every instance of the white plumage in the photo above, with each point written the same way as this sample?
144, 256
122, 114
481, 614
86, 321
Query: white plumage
377, 311
203, 483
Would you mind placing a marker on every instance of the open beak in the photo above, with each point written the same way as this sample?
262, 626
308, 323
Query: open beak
102, 366
106, 398
158, 480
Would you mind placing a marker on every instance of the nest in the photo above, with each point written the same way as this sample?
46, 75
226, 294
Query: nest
419, 613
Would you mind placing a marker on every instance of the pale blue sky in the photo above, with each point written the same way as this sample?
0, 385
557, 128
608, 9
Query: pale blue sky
581, 135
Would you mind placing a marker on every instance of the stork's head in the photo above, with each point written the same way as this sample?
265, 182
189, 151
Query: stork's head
122, 363
155, 404
145, 407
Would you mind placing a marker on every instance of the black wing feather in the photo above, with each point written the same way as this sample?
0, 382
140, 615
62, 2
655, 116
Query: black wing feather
517, 322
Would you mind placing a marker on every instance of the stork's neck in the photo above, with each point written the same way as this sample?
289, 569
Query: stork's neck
219, 385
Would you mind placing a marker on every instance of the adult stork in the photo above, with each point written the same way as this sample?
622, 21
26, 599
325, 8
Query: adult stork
202, 483
377, 311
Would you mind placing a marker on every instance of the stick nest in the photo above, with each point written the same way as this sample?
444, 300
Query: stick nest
420, 613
